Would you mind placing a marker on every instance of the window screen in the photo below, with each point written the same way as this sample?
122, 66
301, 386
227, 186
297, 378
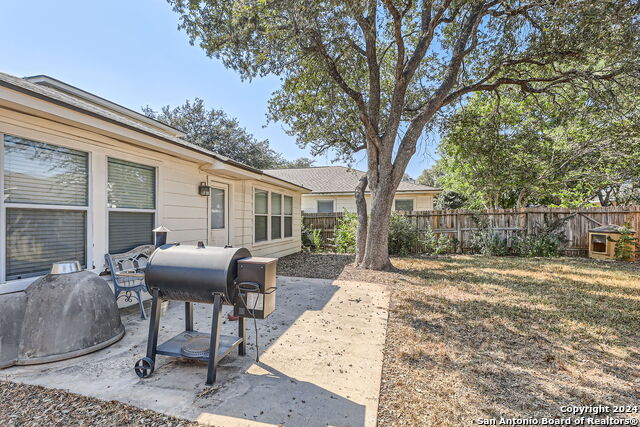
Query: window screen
39, 173
36, 174
404, 204
131, 185
276, 216
325, 206
260, 213
217, 208
129, 229
36, 238
261, 228
288, 216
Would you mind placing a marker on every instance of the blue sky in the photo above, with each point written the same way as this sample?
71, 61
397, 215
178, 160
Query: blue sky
131, 52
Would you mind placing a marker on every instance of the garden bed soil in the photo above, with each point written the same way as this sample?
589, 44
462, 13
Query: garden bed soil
32, 405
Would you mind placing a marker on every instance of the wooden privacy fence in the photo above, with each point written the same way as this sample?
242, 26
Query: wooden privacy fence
460, 224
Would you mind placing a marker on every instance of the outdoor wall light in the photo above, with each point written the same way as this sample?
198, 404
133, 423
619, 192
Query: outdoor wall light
204, 189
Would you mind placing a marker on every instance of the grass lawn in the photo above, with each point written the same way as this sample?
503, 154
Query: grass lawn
474, 337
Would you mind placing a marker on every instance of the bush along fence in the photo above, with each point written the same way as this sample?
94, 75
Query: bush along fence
538, 231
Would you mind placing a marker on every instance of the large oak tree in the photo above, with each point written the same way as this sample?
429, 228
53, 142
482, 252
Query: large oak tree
374, 75
214, 130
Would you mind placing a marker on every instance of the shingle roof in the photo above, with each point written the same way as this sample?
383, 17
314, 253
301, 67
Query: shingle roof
611, 228
334, 179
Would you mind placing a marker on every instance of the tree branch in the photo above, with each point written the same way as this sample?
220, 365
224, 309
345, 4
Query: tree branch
357, 97
368, 28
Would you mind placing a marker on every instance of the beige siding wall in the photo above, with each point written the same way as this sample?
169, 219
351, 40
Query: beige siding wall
241, 218
179, 206
421, 202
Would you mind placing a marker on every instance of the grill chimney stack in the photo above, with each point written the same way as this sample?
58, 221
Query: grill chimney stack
160, 236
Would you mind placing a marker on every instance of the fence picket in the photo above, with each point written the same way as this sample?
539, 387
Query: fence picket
460, 223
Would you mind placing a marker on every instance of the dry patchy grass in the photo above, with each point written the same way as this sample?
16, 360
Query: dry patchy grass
477, 337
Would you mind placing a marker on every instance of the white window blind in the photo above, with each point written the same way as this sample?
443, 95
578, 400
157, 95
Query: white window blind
40, 173
131, 189
45, 197
129, 229
131, 185
36, 238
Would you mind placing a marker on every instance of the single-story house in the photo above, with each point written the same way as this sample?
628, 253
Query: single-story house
81, 176
333, 187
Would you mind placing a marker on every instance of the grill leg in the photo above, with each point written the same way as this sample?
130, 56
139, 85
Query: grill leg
242, 349
215, 340
154, 325
188, 316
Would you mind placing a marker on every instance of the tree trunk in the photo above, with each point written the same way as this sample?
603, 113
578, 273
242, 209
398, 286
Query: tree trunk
376, 253
361, 208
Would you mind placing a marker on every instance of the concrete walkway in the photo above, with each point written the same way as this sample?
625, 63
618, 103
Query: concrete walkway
320, 363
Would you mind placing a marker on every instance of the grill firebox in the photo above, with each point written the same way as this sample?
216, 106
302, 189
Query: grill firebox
204, 275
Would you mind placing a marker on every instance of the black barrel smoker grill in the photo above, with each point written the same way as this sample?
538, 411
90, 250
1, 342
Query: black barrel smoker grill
199, 274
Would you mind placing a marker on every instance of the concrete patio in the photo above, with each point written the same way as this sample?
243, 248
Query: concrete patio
320, 362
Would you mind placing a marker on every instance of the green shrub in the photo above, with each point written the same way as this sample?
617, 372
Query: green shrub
403, 235
443, 245
545, 240
487, 241
626, 244
344, 239
534, 245
437, 245
312, 239
429, 241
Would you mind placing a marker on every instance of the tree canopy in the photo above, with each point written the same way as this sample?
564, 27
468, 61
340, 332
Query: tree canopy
374, 75
516, 150
216, 131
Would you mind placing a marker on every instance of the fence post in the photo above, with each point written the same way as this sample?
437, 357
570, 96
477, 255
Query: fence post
510, 220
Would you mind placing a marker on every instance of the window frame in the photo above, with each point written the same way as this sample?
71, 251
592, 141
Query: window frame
269, 214
413, 203
130, 210
88, 209
333, 205
273, 215
225, 203
286, 215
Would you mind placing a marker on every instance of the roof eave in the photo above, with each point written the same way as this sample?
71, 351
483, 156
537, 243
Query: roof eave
327, 193
176, 141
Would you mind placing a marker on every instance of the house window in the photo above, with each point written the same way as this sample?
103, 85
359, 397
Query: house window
44, 203
325, 206
404, 204
276, 216
131, 201
288, 216
273, 216
261, 218
217, 208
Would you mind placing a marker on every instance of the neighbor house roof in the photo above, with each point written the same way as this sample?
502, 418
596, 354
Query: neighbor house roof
336, 179
63, 94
